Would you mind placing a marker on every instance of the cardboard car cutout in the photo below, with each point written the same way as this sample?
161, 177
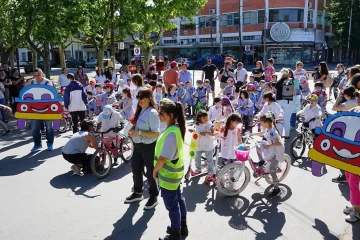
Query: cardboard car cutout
337, 144
38, 102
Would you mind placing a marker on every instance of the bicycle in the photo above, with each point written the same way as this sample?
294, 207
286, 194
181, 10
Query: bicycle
199, 105
65, 122
304, 138
228, 180
111, 148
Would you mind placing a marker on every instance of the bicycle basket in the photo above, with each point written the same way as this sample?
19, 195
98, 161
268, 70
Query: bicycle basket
242, 155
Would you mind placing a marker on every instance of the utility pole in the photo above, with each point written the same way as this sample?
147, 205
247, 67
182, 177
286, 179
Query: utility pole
211, 35
240, 37
265, 33
348, 41
112, 30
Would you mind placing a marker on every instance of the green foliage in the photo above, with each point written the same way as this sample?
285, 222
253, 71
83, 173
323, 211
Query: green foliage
339, 11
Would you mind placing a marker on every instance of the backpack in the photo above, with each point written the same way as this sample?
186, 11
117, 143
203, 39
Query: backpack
328, 81
288, 89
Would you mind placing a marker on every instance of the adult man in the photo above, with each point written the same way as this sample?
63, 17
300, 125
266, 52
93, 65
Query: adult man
75, 99
171, 76
184, 74
36, 124
110, 64
152, 77
225, 73
208, 73
241, 76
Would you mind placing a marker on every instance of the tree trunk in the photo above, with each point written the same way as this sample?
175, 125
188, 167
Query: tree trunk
46, 59
62, 56
5, 54
34, 56
11, 59
100, 56
147, 53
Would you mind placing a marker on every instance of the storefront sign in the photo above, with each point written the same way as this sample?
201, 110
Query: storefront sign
301, 35
279, 32
320, 36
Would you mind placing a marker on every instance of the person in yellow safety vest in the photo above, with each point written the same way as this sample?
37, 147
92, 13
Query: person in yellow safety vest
169, 167
110, 64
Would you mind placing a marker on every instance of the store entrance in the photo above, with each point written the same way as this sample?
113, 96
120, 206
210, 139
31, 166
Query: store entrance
285, 55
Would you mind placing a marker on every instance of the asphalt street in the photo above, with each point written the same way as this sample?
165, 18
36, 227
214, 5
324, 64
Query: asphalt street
42, 199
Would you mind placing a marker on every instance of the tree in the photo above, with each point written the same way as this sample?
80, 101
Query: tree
339, 11
146, 20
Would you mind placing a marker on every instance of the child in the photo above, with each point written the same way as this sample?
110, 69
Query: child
354, 211
253, 82
90, 107
158, 94
265, 88
304, 86
269, 70
99, 90
127, 110
110, 93
321, 93
200, 93
227, 108
253, 97
312, 111
272, 150
205, 145
274, 78
315, 74
190, 99
181, 93
91, 87
215, 111
245, 108
229, 90
121, 87
208, 90
231, 137
171, 94
2, 124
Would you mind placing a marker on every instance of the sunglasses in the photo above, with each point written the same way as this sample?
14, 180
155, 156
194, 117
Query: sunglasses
140, 97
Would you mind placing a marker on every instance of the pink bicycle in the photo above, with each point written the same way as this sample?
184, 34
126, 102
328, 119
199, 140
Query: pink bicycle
233, 178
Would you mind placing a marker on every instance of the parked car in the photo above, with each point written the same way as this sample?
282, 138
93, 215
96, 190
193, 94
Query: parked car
74, 63
106, 60
21, 63
216, 59
91, 63
28, 68
189, 62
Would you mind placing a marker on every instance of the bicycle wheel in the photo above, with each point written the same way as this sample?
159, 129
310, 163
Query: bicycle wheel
297, 147
101, 163
126, 149
233, 179
284, 167
64, 125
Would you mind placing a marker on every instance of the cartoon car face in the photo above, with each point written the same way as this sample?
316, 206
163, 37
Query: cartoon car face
39, 102
338, 142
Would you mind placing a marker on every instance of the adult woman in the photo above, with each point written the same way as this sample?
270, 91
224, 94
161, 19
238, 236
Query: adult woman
355, 81
337, 80
324, 71
18, 83
152, 77
144, 135
138, 81
350, 73
81, 76
169, 166
74, 150
258, 71
100, 76
63, 81
349, 95
287, 105
125, 74
139, 70
296, 99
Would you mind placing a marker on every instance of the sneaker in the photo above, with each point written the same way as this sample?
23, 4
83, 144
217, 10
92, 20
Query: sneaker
36, 148
352, 217
275, 193
151, 203
348, 210
50, 147
76, 170
174, 234
340, 179
184, 231
135, 197
6, 133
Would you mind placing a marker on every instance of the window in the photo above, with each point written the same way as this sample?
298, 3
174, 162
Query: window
327, 19
230, 19
261, 16
250, 17
207, 22
23, 56
286, 15
230, 39
319, 18
207, 39
169, 41
310, 17
248, 37
67, 54
187, 26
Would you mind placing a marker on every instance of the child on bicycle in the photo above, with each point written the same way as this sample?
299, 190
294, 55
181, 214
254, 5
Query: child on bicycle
191, 101
172, 94
127, 110
272, 150
245, 108
181, 93
312, 113
110, 94
321, 93
205, 144
91, 87
231, 137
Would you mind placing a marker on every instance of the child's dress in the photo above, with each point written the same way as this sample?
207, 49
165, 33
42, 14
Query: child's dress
245, 109
190, 99
172, 97
205, 145
229, 142
254, 98
128, 113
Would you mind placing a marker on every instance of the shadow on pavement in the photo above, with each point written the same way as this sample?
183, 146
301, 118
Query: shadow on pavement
80, 185
10, 166
195, 193
344, 189
324, 230
356, 231
124, 228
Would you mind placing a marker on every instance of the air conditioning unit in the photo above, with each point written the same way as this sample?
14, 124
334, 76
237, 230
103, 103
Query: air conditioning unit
310, 5
182, 18
212, 11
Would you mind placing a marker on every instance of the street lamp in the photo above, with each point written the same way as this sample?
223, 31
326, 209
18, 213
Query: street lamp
211, 35
264, 39
348, 41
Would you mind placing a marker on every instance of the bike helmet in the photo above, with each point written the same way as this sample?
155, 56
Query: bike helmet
225, 101
250, 88
92, 81
319, 84
111, 85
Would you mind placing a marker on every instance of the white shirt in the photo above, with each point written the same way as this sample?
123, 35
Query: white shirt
271, 135
310, 113
214, 113
206, 143
298, 74
274, 107
106, 124
100, 79
240, 75
228, 143
63, 81
121, 88
89, 88
134, 94
125, 76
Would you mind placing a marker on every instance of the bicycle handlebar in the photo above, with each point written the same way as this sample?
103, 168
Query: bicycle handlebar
115, 129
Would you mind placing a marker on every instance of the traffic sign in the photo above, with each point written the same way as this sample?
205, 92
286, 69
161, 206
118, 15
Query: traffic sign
121, 46
116, 46
136, 51
247, 48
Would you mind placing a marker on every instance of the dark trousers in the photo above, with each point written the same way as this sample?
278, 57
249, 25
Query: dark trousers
293, 120
175, 204
75, 116
79, 158
144, 157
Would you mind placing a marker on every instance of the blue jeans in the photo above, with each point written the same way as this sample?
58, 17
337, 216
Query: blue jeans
293, 120
2, 111
209, 159
36, 131
175, 204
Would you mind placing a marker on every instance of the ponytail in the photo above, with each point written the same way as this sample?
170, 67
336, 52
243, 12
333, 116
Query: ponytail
169, 107
181, 119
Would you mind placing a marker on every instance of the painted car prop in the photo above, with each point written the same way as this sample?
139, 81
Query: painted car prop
38, 102
337, 144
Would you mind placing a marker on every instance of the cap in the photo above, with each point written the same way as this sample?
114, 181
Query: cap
173, 64
181, 83
107, 111
262, 81
92, 81
314, 97
121, 81
110, 85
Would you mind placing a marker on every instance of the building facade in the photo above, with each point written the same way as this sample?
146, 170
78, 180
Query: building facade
285, 30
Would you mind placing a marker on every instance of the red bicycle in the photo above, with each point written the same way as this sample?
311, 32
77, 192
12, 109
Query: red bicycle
65, 122
111, 148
